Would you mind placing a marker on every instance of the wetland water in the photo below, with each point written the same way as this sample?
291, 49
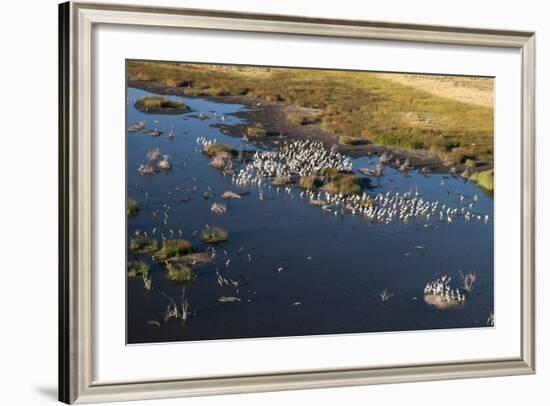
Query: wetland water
333, 267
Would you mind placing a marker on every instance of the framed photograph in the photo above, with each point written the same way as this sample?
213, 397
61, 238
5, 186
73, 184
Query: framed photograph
263, 202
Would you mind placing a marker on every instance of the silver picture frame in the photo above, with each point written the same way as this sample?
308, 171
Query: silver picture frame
76, 22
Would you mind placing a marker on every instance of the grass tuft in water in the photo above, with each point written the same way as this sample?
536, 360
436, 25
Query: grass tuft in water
174, 248
180, 273
158, 102
214, 235
256, 132
133, 208
138, 268
310, 182
142, 245
214, 150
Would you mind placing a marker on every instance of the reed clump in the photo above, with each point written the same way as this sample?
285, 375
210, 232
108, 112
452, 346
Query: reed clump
143, 245
179, 273
174, 248
138, 268
133, 208
214, 235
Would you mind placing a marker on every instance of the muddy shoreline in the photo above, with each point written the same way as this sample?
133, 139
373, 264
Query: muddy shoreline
273, 117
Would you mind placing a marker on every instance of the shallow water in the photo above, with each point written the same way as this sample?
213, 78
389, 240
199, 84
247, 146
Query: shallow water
334, 267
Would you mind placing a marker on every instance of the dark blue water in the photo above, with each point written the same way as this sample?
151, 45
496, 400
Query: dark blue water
334, 267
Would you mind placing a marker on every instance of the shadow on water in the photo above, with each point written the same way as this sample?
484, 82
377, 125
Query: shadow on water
309, 272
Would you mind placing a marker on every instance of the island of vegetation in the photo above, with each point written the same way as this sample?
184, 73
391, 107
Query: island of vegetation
160, 105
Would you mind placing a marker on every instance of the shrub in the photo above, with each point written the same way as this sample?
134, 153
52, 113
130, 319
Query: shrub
137, 268
256, 132
133, 207
310, 182
174, 248
347, 184
214, 235
329, 173
303, 119
180, 273
159, 102
213, 150
346, 140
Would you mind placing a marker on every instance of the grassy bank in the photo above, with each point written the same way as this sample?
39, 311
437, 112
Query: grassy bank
484, 179
407, 112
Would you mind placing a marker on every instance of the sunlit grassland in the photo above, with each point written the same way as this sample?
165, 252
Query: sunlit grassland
405, 112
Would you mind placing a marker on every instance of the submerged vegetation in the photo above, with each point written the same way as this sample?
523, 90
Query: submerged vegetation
179, 273
132, 208
410, 111
138, 268
484, 179
214, 235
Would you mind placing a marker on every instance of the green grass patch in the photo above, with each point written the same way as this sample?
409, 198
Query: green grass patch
214, 235
485, 179
142, 245
133, 208
213, 150
180, 273
256, 132
310, 182
138, 268
159, 102
174, 248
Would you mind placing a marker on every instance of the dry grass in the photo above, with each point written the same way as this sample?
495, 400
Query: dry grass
214, 235
174, 248
133, 208
256, 132
137, 268
180, 273
452, 117
158, 102
213, 150
471, 90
